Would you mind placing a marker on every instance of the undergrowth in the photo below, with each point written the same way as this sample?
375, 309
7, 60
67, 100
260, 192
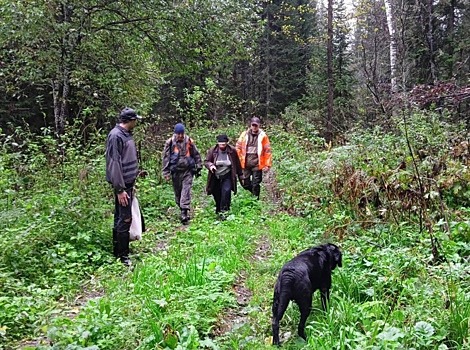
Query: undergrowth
393, 200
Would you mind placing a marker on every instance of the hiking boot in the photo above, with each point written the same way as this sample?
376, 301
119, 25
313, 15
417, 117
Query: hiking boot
256, 191
223, 215
126, 261
184, 216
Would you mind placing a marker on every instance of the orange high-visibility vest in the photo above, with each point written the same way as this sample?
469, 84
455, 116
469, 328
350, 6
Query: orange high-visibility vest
188, 148
264, 149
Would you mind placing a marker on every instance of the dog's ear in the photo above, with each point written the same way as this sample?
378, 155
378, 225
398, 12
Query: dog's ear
338, 257
335, 255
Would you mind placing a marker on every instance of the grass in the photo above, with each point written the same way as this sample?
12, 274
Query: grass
59, 280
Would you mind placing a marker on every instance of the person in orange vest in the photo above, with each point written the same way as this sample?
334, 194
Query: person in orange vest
181, 161
254, 151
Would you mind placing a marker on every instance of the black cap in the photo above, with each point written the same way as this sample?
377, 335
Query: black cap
129, 114
222, 138
255, 120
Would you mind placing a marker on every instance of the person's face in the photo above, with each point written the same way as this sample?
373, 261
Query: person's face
254, 127
222, 145
180, 136
131, 124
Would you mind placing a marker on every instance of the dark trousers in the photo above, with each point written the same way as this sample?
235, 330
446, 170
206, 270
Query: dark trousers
252, 180
222, 192
122, 224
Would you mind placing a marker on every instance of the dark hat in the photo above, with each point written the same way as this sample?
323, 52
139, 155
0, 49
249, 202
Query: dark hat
255, 120
179, 128
222, 138
129, 114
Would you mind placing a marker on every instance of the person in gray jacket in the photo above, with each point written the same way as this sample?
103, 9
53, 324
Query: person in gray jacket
181, 161
122, 169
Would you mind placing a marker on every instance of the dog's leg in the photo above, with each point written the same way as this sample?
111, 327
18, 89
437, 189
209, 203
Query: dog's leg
305, 306
279, 307
325, 298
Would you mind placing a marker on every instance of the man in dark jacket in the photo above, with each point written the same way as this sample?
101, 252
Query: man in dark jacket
224, 168
181, 161
121, 172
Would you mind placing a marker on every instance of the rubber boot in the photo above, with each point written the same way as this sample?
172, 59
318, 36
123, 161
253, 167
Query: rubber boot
256, 191
184, 216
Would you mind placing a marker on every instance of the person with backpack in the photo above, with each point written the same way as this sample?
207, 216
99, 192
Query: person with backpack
181, 161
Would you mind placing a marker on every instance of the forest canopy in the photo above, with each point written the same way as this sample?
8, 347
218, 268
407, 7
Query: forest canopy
72, 61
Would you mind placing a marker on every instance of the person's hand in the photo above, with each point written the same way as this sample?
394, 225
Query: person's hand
212, 168
123, 198
265, 169
167, 177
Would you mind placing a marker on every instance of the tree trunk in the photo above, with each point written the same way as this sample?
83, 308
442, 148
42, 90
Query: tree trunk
329, 53
393, 46
450, 38
59, 121
430, 40
61, 85
268, 68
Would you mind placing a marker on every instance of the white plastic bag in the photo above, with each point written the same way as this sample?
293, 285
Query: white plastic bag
135, 232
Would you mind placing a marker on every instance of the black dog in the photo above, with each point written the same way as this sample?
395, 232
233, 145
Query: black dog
299, 278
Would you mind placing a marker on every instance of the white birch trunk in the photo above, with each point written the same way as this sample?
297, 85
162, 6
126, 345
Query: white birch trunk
393, 46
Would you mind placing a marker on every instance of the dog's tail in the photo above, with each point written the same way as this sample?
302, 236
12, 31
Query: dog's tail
281, 295
277, 293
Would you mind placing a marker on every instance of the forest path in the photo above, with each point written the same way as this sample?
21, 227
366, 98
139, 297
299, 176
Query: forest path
235, 318
228, 322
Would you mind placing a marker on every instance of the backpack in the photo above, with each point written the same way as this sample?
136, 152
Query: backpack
179, 162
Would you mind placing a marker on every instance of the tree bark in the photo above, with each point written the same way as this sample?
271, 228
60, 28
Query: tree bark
450, 38
393, 46
431, 40
268, 68
329, 54
59, 122
61, 85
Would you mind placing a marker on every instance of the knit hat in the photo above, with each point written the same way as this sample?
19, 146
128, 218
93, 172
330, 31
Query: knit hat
129, 114
222, 138
179, 128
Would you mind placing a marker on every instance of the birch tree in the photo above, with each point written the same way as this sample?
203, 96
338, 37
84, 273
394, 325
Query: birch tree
393, 45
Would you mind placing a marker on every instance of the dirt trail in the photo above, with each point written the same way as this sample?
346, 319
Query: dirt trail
90, 290
228, 322
237, 317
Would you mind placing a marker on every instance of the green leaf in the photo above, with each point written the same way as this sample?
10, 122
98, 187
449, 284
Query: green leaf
424, 328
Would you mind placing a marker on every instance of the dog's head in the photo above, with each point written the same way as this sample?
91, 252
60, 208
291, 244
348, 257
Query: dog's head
335, 256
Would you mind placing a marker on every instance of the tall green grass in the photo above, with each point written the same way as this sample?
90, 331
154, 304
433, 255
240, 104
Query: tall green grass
56, 252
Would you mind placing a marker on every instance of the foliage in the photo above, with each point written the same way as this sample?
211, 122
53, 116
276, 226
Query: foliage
276, 74
93, 58
207, 104
317, 81
390, 292
40, 262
